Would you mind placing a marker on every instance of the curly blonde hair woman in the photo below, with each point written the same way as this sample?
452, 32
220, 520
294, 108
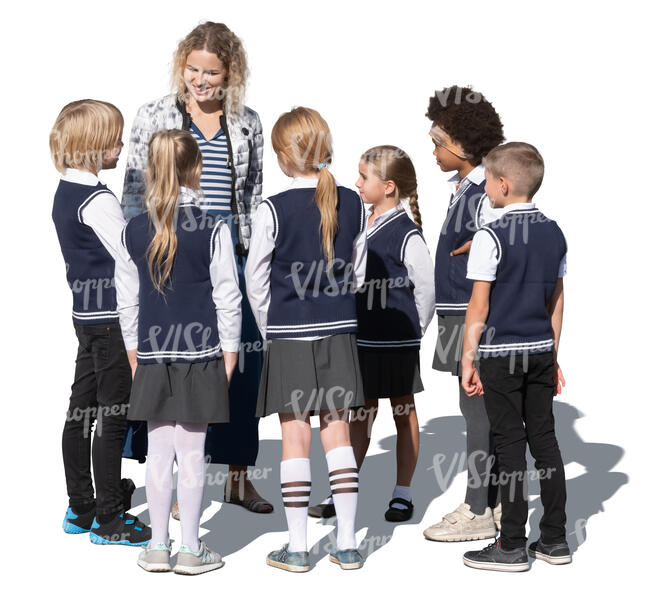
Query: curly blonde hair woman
208, 79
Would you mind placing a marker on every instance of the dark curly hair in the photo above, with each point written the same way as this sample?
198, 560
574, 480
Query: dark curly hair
468, 118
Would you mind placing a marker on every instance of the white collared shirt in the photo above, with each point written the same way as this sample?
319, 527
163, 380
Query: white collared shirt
483, 255
258, 263
458, 187
223, 275
419, 266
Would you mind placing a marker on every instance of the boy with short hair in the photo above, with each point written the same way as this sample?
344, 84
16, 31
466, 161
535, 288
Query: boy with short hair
514, 320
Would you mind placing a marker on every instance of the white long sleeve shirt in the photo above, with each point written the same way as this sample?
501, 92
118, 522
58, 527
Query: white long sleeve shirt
225, 289
258, 263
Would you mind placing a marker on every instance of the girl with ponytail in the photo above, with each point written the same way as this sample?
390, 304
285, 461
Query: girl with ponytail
307, 257
180, 311
394, 309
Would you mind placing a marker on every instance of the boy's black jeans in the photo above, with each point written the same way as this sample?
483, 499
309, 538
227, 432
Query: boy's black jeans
519, 401
100, 396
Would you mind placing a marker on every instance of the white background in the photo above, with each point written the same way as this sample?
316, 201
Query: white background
571, 78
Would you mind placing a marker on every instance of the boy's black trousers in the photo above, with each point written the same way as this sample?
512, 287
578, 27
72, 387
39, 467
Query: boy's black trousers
518, 396
100, 396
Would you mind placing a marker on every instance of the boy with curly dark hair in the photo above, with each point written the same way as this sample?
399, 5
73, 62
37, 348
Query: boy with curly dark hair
465, 128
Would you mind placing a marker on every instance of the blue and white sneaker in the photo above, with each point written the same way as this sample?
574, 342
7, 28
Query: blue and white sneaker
78, 523
348, 559
293, 561
123, 529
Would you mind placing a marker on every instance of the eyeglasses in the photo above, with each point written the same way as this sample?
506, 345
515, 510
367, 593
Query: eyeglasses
437, 135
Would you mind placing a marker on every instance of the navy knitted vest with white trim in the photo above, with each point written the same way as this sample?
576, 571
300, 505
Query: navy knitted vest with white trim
530, 248
386, 311
304, 300
181, 325
90, 269
453, 289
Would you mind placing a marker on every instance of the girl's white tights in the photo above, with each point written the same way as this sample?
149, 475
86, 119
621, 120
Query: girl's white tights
184, 442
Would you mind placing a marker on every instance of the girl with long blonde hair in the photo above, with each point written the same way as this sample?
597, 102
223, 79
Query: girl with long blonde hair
307, 256
180, 311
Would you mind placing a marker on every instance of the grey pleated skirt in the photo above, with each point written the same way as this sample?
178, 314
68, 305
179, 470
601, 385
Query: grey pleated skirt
193, 392
449, 345
390, 373
304, 377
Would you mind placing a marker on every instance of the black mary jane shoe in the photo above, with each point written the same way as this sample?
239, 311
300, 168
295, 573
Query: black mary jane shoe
395, 514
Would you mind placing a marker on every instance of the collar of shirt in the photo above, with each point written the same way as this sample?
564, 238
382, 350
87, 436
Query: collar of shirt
476, 176
518, 206
188, 196
83, 177
380, 218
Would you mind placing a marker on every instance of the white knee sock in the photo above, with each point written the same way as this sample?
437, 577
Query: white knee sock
189, 443
344, 482
159, 478
401, 492
295, 481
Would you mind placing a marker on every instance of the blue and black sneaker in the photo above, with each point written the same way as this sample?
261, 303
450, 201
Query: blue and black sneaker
78, 523
123, 529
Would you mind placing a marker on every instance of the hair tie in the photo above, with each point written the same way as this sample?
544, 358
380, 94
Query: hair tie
322, 165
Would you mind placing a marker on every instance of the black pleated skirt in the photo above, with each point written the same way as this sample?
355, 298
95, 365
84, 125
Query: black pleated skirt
390, 373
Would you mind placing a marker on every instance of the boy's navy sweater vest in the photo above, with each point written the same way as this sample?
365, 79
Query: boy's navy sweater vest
386, 310
90, 269
306, 302
181, 325
453, 289
530, 249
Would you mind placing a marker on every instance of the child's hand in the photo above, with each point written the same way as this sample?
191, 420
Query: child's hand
559, 380
132, 355
230, 360
471, 382
463, 250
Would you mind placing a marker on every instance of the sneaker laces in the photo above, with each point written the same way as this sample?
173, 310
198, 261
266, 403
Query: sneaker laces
490, 547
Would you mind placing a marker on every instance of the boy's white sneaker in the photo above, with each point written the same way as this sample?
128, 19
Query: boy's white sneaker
203, 560
463, 525
155, 558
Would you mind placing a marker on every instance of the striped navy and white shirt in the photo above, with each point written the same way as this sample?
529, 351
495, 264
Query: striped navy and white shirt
216, 176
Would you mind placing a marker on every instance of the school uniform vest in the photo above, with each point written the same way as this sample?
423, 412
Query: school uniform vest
90, 269
181, 325
453, 289
386, 311
305, 301
530, 248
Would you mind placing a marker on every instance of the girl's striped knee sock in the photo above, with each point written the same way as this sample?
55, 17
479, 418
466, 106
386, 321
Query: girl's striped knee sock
295, 478
344, 482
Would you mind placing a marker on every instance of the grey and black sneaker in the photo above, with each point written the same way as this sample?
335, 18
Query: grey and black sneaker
494, 557
553, 553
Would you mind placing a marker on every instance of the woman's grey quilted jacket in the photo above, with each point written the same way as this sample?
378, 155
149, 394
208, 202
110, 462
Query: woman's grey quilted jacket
245, 147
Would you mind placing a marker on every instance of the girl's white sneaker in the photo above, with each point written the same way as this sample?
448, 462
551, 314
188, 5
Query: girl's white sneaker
155, 558
190, 562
